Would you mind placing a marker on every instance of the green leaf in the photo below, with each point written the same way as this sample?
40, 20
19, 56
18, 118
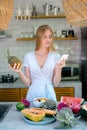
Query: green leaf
62, 126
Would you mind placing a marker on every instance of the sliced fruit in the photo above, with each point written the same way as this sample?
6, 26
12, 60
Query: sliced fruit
70, 100
35, 115
47, 112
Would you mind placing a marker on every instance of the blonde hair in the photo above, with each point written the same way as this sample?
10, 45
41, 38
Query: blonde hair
39, 33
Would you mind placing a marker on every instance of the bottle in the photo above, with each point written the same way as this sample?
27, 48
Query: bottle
64, 33
27, 13
19, 12
70, 32
34, 12
58, 33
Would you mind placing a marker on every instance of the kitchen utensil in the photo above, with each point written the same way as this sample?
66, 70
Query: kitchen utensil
7, 78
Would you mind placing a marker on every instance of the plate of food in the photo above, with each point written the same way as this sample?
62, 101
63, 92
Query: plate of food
38, 116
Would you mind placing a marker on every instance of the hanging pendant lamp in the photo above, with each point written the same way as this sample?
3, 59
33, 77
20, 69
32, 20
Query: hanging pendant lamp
6, 11
75, 12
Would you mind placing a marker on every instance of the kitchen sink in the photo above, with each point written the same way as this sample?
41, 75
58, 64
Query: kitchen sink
4, 108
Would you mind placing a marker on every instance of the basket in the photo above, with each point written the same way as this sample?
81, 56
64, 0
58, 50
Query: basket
76, 12
6, 10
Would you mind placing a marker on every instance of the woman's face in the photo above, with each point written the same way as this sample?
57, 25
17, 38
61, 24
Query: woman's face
46, 39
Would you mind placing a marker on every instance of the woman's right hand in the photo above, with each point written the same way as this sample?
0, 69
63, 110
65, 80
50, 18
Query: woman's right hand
16, 68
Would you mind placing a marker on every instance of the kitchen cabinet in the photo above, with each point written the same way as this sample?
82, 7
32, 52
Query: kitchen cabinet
64, 91
9, 94
23, 92
60, 91
16, 94
12, 94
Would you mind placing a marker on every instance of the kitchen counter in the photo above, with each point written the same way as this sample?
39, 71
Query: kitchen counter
76, 84
14, 121
16, 84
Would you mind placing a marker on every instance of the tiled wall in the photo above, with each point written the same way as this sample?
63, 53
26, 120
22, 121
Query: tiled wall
17, 26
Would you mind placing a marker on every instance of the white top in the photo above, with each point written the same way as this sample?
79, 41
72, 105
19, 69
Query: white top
41, 78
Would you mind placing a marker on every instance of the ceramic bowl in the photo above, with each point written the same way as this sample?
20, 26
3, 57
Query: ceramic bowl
38, 102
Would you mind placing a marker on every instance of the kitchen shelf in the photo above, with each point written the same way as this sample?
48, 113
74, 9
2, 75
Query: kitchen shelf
25, 39
16, 94
41, 16
56, 38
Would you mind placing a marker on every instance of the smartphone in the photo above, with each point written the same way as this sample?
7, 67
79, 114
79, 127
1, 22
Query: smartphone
65, 56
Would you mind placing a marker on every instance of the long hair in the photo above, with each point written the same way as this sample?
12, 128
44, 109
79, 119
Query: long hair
39, 33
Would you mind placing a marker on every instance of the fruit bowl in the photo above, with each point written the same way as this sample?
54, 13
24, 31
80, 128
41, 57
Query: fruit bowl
38, 102
25, 102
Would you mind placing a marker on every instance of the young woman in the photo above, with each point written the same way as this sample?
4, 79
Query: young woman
42, 66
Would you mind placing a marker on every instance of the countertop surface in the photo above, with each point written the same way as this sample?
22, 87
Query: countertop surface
19, 84
14, 120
